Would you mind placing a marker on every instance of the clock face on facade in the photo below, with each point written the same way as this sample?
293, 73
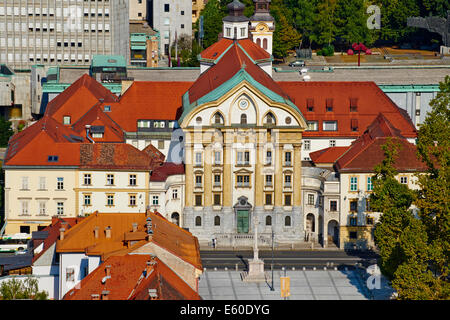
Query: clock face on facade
262, 27
243, 104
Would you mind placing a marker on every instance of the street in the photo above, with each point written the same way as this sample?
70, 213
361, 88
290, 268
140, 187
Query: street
288, 259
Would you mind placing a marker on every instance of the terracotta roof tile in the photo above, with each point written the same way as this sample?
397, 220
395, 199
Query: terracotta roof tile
77, 99
81, 238
149, 100
366, 152
370, 101
160, 173
328, 155
233, 61
131, 276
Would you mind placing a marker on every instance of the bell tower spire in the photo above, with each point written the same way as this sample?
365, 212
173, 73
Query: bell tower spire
235, 25
262, 25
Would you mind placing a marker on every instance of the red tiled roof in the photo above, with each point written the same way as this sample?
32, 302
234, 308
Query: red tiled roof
160, 173
131, 276
149, 100
53, 233
328, 155
96, 117
215, 50
369, 98
77, 99
46, 137
233, 60
167, 235
121, 156
366, 152
253, 50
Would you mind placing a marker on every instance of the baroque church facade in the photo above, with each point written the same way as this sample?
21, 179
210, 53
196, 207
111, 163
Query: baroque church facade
242, 141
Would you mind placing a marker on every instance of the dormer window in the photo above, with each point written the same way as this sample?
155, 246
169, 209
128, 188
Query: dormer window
353, 104
66, 120
107, 108
310, 104
329, 105
228, 32
52, 158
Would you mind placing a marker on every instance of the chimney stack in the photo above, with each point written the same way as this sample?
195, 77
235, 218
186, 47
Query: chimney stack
96, 232
135, 225
108, 270
105, 294
108, 232
61, 233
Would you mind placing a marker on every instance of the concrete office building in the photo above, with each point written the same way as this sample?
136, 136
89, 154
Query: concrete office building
62, 32
170, 17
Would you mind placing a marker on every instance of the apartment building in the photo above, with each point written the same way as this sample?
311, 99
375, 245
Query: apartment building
172, 18
62, 32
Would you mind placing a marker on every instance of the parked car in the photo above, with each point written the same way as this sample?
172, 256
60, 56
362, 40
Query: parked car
297, 63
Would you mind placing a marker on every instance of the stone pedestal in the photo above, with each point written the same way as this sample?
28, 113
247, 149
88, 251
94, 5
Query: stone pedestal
255, 272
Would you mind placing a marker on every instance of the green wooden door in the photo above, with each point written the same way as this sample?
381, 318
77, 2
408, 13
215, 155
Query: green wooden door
242, 221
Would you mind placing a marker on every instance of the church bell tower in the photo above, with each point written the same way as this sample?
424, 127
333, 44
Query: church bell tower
262, 25
235, 25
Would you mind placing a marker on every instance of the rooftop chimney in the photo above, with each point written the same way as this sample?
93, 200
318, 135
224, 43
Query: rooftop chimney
61, 233
108, 232
108, 270
96, 232
135, 225
105, 294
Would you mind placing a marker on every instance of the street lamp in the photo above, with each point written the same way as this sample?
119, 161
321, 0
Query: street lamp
359, 47
271, 267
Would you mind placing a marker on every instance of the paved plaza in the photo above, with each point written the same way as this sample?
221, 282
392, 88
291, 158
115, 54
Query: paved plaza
304, 285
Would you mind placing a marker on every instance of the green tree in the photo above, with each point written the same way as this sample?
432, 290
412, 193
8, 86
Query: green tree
6, 132
212, 22
351, 22
14, 289
304, 12
325, 23
393, 18
285, 37
414, 249
433, 146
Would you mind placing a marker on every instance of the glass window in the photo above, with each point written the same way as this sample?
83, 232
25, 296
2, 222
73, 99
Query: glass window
287, 221
217, 221
175, 194
133, 179
369, 184
198, 200
60, 208
198, 158
110, 200
87, 179
60, 183
268, 199
330, 125
25, 183
404, 180
217, 199
42, 183
268, 220
313, 126
132, 200
287, 180
353, 205
110, 179
333, 205
217, 157
287, 200
268, 180
269, 157
311, 199
287, 158
354, 184
307, 144
155, 200
87, 199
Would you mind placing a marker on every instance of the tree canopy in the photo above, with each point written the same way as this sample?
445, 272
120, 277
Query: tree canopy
415, 245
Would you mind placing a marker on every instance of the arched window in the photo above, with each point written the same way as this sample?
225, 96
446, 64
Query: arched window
270, 119
258, 42
265, 44
287, 221
217, 221
243, 118
218, 119
268, 220
198, 221
175, 218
